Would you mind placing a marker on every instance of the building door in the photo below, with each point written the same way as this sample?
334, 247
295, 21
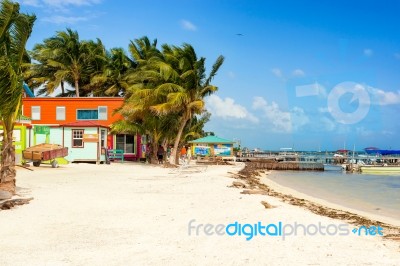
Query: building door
103, 138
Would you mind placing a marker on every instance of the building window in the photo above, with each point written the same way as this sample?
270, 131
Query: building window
102, 112
77, 138
92, 114
125, 142
87, 114
35, 112
60, 113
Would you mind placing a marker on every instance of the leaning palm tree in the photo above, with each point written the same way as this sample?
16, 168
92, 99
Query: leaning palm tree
139, 95
67, 59
185, 87
15, 29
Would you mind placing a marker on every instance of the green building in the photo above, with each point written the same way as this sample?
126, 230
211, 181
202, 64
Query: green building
212, 146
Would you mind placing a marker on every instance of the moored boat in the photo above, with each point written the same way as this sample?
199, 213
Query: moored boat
372, 169
334, 167
377, 151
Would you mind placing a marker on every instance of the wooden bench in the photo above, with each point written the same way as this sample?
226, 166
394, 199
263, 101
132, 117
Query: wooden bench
115, 155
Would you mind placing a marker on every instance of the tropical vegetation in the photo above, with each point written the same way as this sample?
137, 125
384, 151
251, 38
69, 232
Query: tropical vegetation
164, 88
168, 90
15, 29
65, 58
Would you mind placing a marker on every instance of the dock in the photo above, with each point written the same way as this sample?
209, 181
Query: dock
267, 164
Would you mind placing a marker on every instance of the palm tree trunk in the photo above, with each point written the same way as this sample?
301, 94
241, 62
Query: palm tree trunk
174, 153
62, 88
154, 158
77, 87
7, 173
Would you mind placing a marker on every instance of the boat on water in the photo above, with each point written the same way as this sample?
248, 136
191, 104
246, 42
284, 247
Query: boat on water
382, 169
377, 151
334, 167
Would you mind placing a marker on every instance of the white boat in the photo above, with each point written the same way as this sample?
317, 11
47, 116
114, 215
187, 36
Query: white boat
334, 167
373, 169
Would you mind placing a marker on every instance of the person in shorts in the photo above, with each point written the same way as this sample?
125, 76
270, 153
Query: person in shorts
160, 154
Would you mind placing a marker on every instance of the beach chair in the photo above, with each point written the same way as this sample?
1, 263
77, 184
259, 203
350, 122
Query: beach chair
186, 167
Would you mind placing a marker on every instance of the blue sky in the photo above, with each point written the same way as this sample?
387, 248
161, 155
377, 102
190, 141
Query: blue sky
304, 74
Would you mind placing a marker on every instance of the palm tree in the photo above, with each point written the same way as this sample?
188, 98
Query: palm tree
185, 87
139, 96
15, 29
64, 58
167, 91
112, 79
195, 127
145, 123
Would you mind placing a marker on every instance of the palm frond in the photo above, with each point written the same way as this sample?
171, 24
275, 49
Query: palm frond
124, 127
218, 63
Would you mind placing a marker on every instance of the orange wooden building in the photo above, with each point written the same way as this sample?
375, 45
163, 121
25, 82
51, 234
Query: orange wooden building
81, 124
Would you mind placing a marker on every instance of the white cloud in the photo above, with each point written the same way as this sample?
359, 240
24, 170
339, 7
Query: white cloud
363, 132
228, 109
368, 52
281, 121
313, 89
231, 75
64, 19
384, 97
277, 72
60, 3
323, 110
34, 3
388, 133
298, 73
187, 25
327, 124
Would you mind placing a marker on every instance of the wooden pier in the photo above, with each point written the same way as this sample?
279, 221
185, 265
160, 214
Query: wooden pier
294, 166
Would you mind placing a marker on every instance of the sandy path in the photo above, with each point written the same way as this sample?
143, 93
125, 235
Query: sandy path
135, 214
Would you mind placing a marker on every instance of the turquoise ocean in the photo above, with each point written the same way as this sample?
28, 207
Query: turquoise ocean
376, 194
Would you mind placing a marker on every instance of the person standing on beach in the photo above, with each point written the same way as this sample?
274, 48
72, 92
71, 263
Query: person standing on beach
168, 151
160, 154
183, 153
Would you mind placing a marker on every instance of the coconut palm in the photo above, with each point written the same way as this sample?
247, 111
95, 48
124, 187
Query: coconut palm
185, 87
145, 123
167, 91
112, 80
67, 59
143, 50
195, 127
15, 29
140, 96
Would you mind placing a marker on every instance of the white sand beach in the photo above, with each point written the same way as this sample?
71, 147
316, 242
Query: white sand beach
137, 214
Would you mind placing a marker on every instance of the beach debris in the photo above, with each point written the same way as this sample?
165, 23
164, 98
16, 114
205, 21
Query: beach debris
237, 175
8, 204
267, 205
249, 175
238, 184
254, 191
